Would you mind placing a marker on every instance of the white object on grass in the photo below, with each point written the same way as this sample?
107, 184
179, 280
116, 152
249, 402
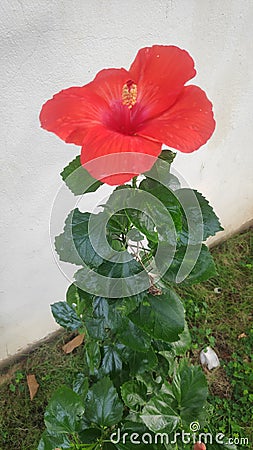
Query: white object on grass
209, 358
217, 290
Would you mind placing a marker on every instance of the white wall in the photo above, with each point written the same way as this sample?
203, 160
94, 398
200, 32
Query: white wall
47, 45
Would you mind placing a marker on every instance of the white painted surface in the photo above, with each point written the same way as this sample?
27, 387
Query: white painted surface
48, 45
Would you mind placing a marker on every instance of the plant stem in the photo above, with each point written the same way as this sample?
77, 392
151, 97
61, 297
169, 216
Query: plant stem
134, 182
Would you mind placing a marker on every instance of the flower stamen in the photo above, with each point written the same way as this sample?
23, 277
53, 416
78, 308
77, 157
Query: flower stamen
129, 94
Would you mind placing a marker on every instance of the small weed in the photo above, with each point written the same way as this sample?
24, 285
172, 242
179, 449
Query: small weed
16, 383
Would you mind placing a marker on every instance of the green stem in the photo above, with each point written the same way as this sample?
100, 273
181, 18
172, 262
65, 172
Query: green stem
134, 182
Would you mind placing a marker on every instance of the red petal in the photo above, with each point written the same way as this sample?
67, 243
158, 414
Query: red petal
70, 113
187, 125
116, 158
160, 73
108, 84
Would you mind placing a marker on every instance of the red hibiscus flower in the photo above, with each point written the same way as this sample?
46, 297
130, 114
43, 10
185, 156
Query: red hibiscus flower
122, 118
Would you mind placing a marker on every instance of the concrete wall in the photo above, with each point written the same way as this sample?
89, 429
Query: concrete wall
47, 45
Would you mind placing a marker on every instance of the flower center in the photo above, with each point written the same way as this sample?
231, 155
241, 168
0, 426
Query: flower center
129, 94
121, 117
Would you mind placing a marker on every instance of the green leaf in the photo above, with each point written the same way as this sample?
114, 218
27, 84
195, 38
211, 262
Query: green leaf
65, 246
160, 172
134, 393
199, 213
181, 346
79, 300
90, 435
119, 222
103, 406
81, 385
82, 227
134, 235
169, 201
84, 240
152, 385
120, 270
140, 363
161, 316
144, 223
202, 263
169, 355
127, 304
98, 325
113, 282
111, 362
132, 336
101, 308
159, 415
126, 331
116, 244
74, 245
96, 328
169, 351
78, 180
156, 212
93, 356
64, 412
190, 389
52, 441
72, 295
108, 446
66, 316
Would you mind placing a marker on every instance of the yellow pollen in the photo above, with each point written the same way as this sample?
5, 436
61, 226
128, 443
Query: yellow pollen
129, 94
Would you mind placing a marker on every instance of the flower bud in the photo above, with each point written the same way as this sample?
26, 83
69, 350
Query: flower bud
199, 446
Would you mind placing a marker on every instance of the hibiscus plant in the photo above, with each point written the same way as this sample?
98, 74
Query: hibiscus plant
147, 237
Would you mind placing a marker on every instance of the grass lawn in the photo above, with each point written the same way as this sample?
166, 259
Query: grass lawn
219, 315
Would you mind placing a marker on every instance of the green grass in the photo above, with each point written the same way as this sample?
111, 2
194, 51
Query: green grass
227, 314
21, 420
215, 319
219, 314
